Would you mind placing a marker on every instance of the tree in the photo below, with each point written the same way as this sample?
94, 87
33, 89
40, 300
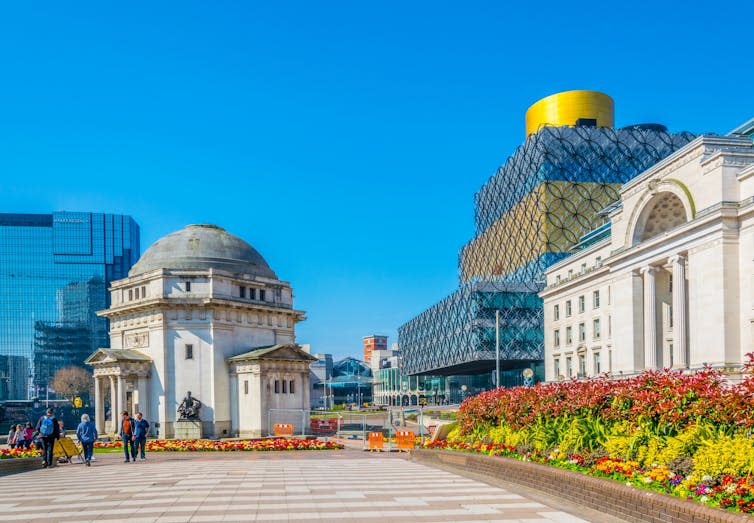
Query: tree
70, 382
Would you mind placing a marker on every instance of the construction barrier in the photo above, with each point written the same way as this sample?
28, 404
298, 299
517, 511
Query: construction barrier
376, 440
282, 429
65, 448
405, 440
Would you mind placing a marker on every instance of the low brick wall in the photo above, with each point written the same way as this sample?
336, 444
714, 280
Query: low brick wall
605, 495
16, 465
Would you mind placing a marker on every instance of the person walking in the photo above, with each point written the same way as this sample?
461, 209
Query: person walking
127, 436
141, 429
49, 431
12, 436
86, 433
20, 437
28, 435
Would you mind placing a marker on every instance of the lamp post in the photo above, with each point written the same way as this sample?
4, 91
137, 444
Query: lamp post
497, 348
464, 388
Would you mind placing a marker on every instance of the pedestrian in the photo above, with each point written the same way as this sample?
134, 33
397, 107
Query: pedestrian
12, 436
127, 436
141, 429
49, 431
61, 429
20, 437
87, 435
28, 435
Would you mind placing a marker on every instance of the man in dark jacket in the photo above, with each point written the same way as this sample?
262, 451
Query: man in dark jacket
49, 431
141, 429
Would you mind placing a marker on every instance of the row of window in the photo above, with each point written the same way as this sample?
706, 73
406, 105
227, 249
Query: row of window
287, 387
568, 371
596, 332
581, 304
252, 292
136, 293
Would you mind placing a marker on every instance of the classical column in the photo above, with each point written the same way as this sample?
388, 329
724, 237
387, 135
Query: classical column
99, 405
122, 396
650, 319
113, 406
680, 359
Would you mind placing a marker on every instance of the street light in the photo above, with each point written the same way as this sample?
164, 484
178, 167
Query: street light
497, 348
464, 388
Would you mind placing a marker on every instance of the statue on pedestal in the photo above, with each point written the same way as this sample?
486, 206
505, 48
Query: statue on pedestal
189, 407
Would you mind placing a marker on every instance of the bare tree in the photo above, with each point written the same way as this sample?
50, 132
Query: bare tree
70, 382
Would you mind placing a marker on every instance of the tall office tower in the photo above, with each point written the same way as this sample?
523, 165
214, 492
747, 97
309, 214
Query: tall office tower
54, 273
552, 191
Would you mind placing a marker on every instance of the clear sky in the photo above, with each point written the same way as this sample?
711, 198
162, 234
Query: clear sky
344, 140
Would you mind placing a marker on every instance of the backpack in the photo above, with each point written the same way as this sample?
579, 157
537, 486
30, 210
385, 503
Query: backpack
46, 428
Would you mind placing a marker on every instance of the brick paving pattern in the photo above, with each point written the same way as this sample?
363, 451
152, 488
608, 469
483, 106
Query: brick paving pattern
308, 486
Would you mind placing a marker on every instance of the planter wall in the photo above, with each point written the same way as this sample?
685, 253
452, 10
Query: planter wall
16, 465
604, 495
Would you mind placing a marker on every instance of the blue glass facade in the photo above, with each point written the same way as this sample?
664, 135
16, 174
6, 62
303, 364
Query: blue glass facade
54, 273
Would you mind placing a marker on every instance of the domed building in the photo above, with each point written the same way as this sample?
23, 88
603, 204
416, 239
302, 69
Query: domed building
201, 312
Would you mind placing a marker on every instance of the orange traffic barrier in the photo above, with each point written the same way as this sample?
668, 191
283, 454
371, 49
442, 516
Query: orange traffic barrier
282, 429
405, 440
376, 440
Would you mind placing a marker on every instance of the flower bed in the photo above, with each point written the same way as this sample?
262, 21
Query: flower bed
19, 453
688, 435
208, 445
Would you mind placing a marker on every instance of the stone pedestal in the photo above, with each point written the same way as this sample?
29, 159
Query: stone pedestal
188, 429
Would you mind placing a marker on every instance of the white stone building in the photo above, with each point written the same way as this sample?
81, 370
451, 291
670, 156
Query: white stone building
669, 281
201, 311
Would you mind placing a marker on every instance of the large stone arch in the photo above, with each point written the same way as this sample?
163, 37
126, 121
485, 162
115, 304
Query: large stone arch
663, 207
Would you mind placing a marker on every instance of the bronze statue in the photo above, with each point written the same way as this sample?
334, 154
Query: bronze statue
189, 407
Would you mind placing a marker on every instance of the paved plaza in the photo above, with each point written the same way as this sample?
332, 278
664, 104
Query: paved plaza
292, 486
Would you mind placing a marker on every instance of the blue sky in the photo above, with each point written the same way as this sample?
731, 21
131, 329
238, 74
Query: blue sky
344, 140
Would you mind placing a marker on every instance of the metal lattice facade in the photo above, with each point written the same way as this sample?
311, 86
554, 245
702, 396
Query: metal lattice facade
528, 216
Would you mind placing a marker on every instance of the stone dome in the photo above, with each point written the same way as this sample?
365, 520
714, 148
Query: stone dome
202, 246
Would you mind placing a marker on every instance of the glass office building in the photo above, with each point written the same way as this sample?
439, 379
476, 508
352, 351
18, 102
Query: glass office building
54, 273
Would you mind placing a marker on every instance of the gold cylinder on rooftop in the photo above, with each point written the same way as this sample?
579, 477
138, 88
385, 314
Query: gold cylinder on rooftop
570, 108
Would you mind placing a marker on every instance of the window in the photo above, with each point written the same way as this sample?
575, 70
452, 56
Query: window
277, 386
582, 303
557, 279
262, 294
290, 387
582, 365
130, 294
556, 338
241, 292
670, 284
596, 328
144, 291
582, 331
187, 286
285, 387
609, 326
598, 261
597, 366
569, 367
568, 309
136, 294
252, 293
570, 273
245, 386
596, 300
569, 335
189, 352
556, 368
670, 316
583, 268
556, 312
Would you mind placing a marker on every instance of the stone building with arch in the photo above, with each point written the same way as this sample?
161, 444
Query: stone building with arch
201, 312
668, 280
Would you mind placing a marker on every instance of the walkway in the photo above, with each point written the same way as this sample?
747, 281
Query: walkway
265, 486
